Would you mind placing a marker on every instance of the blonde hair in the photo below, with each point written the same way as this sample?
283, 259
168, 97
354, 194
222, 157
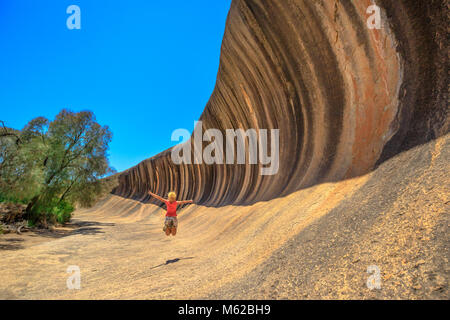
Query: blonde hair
172, 195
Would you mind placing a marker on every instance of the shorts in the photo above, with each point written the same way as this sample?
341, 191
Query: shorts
170, 222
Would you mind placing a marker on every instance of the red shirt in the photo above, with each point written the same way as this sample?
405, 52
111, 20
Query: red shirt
171, 208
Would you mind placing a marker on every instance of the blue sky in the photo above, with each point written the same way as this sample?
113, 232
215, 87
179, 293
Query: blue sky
145, 68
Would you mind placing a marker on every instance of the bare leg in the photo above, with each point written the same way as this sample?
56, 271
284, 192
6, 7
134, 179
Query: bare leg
168, 231
174, 231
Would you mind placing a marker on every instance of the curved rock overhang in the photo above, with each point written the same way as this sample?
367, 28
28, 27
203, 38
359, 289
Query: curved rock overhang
344, 97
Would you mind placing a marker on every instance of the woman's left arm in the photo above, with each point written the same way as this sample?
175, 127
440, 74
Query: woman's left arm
185, 201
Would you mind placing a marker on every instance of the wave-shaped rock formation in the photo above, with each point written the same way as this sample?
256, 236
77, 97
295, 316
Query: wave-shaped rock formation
343, 96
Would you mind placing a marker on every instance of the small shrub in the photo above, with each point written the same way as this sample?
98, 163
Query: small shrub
63, 212
53, 211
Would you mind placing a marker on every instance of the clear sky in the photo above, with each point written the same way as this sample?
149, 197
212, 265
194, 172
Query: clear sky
145, 68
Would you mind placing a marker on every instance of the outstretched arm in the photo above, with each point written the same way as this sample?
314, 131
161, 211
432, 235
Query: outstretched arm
157, 197
185, 201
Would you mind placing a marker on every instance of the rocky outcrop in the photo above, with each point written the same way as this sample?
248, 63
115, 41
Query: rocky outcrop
343, 96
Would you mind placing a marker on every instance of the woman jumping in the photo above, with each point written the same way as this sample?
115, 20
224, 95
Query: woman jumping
171, 221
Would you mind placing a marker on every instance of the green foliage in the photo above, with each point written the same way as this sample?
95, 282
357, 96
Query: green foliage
63, 212
54, 210
19, 175
13, 199
51, 165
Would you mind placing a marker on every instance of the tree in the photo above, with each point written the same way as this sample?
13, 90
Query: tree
18, 174
64, 159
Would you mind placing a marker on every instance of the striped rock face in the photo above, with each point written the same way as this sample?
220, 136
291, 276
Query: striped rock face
343, 96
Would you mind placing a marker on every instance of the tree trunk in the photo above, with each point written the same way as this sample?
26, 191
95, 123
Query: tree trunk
65, 192
30, 207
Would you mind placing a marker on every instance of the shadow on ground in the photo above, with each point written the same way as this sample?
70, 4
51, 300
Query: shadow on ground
171, 261
72, 228
11, 244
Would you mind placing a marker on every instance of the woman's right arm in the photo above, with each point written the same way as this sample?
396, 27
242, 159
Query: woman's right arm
157, 197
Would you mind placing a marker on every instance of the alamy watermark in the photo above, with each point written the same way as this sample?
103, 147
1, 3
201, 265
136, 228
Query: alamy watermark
74, 20
374, 281
240, 146
73, 282
374, 20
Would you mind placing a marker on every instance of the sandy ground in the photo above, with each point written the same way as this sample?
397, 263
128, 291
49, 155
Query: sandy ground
314, 243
